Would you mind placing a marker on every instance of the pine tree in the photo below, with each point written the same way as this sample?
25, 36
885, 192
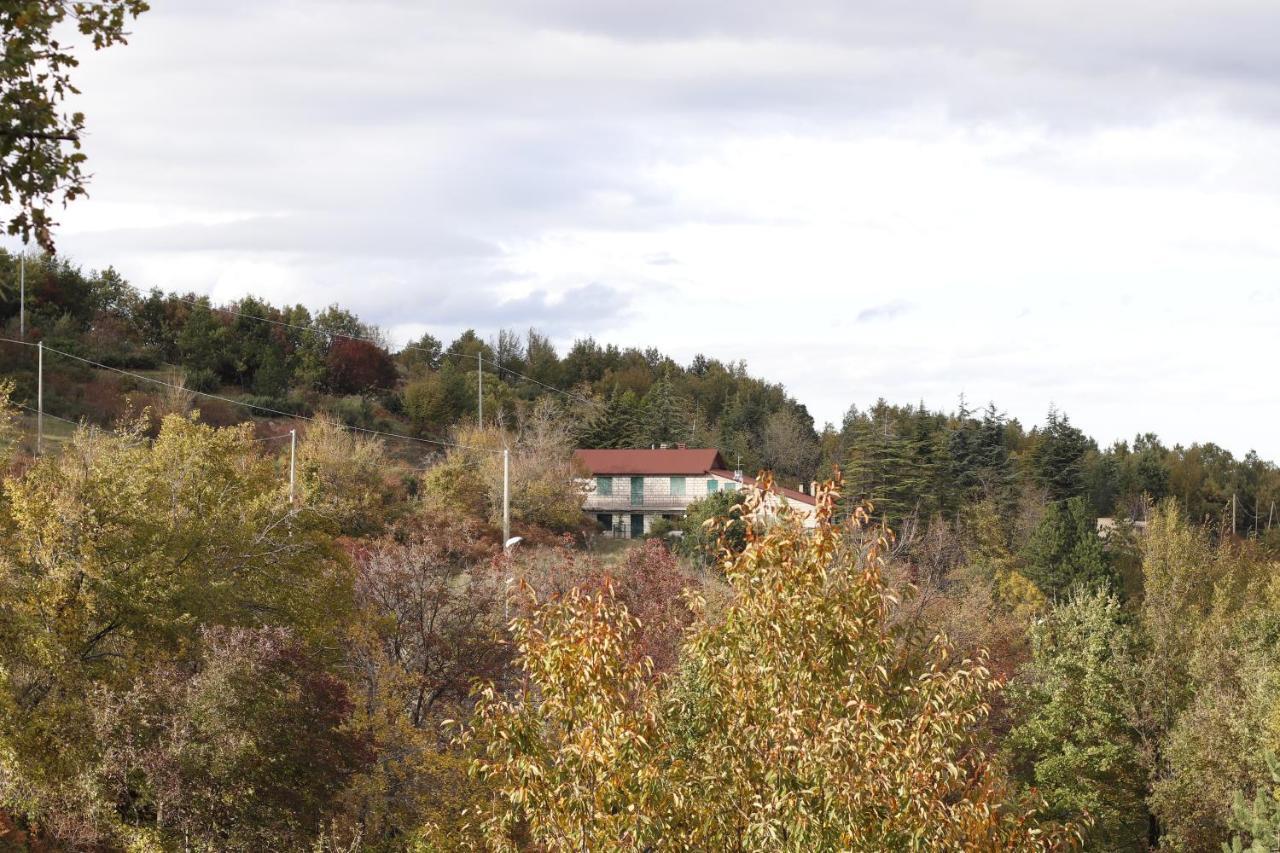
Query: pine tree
1065, 551
980, 463
664, 416
616, 423
884, 465
1075, 741
1058, 459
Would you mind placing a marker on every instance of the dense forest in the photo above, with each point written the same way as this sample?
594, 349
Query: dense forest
198, 653
909, 460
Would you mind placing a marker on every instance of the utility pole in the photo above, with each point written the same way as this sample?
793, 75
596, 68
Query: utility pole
480, 390
507, 544
1271, 514
22, 294
1233, 513
39, 397
293, 455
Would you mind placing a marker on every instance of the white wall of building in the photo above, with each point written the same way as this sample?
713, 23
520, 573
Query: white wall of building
660, 497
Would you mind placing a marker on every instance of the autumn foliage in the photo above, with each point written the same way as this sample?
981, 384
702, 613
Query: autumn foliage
356, 367
800, 720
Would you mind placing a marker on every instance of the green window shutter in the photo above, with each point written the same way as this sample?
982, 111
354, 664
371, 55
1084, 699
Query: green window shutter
712, 486
604, 487
677, 487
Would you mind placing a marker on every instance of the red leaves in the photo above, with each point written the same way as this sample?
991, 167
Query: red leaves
356, 367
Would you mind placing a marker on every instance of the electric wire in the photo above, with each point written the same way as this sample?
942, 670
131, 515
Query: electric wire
36, 411
450, 353
91, 362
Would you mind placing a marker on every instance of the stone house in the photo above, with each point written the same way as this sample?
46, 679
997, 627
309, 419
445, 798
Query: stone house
628, 490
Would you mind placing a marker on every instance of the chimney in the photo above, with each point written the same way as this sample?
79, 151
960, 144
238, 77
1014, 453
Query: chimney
682, 446
802, 489
664, 446
813, 487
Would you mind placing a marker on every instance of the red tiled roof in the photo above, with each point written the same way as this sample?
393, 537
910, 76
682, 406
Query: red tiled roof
793, 494
678, 461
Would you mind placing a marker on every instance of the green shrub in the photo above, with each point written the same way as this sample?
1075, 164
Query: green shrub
353, 410
202, 380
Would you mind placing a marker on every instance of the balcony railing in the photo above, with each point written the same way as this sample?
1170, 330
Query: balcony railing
621, 503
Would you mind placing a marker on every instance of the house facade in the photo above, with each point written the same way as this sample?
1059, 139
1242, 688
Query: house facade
627, 491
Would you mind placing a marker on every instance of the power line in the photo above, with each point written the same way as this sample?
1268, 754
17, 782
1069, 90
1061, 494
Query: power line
85, 421
506, 490
577, 397
271, 437
432, 441
46, 414
209, 306
453, 353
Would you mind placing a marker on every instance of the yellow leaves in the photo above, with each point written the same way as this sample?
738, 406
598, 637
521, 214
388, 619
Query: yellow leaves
1019, 595
798, 721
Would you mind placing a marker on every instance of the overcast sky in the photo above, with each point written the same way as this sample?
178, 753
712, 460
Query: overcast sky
1071, 203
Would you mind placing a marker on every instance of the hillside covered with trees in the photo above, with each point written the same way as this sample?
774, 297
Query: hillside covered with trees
909, 460
195, 656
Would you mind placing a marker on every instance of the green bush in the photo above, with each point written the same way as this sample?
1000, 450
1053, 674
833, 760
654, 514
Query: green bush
202, 380
698, 542
353, 410
279, 404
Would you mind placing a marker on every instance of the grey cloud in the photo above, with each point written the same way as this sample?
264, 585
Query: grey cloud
315, 234
394, 155
885, 311
571, 313
485, 113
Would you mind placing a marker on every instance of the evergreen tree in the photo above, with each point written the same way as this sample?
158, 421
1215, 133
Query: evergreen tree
1065, 551
664, 416
1058, 459
1075, 742
272, 377
201, 343
885, 465
1102, 473
253, 344
995, 472
616, 423
925, 439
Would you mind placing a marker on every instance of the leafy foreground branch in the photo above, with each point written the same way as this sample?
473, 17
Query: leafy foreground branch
800, 719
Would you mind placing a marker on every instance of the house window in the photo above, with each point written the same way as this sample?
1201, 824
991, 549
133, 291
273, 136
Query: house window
637, 491
712, 487
677, 487
604, 487
729, 487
